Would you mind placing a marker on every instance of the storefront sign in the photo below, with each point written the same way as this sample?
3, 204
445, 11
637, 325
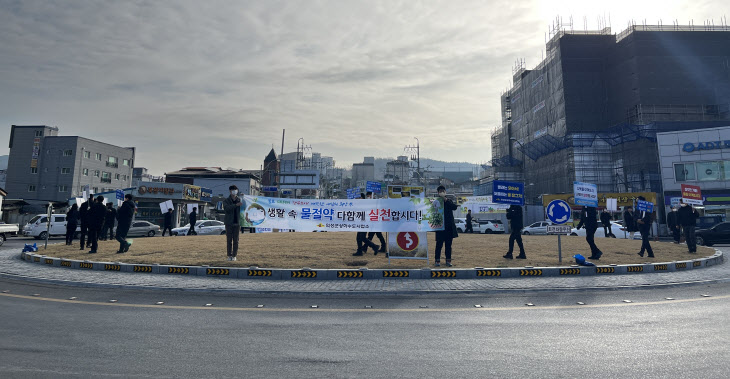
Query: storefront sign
191, 192
365, 215
690, 147
691, 194
206, 195
144, 190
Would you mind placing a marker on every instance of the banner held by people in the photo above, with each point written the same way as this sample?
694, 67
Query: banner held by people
338, 215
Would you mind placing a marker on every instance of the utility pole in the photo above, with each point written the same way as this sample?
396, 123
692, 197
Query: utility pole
416, 156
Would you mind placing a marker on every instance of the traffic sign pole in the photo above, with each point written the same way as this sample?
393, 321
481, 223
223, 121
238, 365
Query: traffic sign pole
560, 251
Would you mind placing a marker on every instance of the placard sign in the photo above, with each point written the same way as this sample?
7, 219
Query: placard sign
644, 206
508, 192
585, 194
691, 194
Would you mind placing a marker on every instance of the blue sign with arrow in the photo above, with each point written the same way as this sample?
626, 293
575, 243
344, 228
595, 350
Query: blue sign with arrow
558, 212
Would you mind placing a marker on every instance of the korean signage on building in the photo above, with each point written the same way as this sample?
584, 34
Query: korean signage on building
191, 192
689, 147
380, 215
626, 199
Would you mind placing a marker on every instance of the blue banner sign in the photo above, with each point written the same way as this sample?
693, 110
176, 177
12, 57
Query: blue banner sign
353, 193
374, 187
120, 194
508, 192
644, 206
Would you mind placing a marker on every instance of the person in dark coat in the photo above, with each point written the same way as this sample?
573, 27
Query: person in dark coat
83, 218
446, 236
606, 222
232, 206
193, 220
588, 218
167, 225
673, 224
109, 219
629, 221
687, 216
72, 220
644, 222
363, 242
514, 215
95, 217
468, 228
376, 234
124, 222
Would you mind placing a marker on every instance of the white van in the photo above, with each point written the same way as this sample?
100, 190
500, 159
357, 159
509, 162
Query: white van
36, 227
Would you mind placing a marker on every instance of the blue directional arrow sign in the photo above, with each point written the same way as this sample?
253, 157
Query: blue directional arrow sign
558, 211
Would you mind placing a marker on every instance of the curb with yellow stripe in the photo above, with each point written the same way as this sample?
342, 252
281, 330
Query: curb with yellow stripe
383, 274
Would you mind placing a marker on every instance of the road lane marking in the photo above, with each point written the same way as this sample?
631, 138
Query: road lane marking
344, 310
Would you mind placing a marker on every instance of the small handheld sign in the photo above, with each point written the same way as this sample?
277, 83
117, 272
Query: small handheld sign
508, 192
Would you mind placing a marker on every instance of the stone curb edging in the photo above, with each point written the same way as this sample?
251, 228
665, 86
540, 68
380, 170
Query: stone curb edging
364, 273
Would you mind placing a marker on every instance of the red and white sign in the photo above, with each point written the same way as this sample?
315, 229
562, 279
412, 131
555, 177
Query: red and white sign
691, 194
407, 241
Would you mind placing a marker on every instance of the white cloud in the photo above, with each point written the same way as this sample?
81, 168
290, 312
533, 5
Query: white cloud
213, 83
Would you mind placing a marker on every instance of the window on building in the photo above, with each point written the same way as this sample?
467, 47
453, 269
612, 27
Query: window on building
95, 189
105, 174
726, 170
125, 162
34, 170
96, 173
112, 162
39, 133
66, 170
124, 177
68, 153
113, 159
86, 172
87, 154
684, 172
62, 188
708, 171
116, 176
98, 156
31, 188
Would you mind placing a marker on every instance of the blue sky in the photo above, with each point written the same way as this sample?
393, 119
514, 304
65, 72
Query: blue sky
213, 83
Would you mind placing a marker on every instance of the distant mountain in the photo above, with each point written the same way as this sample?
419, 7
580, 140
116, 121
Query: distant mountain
427, 164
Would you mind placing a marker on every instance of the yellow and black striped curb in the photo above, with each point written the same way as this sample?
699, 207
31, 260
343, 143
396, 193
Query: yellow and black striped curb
364, 273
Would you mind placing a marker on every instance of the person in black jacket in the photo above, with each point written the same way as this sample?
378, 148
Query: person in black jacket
72, 220
446, 236
588, 218
193, 220
468, 228
168, 222
687, 216
124, 222
83, 218
673, 224
109, 218
644, 223
514, 215
606, 222
363, 242
95, 217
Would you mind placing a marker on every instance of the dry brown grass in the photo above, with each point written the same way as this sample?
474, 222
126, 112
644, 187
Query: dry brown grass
334, 250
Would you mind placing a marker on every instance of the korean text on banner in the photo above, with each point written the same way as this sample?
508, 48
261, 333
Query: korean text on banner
644, 206
482, 204
338, 215
585, 194
691, 194
508, 192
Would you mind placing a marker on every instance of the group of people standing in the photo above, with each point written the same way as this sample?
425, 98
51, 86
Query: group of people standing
97, 223
682, 221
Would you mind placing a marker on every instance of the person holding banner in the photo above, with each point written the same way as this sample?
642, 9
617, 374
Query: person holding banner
514, 215
588, 218
378, 234
362, 239
446, 236
644, 226
688, 216
167, 224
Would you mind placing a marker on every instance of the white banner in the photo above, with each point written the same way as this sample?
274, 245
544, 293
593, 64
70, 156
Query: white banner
339, 215
482, 204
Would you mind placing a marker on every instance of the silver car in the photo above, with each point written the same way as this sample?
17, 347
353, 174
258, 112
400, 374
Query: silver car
142, 228
202, 227
539, 228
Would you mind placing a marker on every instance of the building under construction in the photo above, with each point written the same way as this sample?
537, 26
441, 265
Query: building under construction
591, 109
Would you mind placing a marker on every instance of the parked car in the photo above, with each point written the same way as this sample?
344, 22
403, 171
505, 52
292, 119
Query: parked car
7, 230
719, 233
490, 226
461, 225
37, 227
707, 222
202, 227
536, 228
616, 228
141, 228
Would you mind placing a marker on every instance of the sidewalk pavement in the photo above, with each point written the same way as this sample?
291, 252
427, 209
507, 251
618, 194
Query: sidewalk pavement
12, 267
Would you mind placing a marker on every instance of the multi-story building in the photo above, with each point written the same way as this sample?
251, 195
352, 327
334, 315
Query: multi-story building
46, 167
591, 110
217, 180
140, 174
363, 172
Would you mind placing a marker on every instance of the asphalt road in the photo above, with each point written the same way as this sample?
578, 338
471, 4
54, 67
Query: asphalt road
44, 334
